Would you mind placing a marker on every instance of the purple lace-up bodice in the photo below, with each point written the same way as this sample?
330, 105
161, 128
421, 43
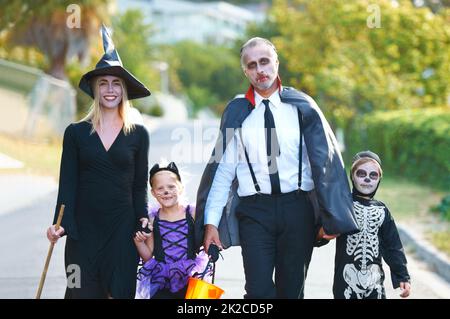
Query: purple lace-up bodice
173, 273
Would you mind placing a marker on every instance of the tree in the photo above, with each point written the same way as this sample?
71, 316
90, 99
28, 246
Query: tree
59, 29
131, 37
434, 5
238, 2
210, 74
333, 53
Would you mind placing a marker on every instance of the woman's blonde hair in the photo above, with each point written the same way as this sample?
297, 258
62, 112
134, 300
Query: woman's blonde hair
95, 113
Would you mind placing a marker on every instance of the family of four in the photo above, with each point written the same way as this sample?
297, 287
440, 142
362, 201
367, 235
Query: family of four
275, 185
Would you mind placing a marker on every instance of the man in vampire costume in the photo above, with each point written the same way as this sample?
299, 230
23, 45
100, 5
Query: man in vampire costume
275, 181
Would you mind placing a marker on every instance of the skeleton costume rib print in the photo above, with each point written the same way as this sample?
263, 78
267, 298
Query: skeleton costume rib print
358, 268
364, 247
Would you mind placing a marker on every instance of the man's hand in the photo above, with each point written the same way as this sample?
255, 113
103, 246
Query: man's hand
321, 234
53, 235
405, 287
211, 237
330, 237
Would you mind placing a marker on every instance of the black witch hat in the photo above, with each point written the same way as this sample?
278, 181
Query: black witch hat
110, 64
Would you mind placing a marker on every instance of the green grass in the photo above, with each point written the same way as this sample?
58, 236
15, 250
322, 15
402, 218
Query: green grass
406, 199
39, 158
441, 240
410, 202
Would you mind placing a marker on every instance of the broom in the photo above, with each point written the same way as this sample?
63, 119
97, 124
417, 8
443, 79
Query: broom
49, 254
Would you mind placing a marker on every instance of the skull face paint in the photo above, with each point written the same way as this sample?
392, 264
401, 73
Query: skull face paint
366, 177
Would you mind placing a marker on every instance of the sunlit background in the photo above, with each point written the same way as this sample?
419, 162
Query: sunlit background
379, 70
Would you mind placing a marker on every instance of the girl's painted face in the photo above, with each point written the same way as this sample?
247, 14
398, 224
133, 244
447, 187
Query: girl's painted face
166, 189
110, 91
366, 177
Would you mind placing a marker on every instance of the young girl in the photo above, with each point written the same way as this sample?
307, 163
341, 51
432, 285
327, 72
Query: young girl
168, 251
358, 265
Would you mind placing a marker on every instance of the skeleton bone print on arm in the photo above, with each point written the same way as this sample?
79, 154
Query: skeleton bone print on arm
364, 246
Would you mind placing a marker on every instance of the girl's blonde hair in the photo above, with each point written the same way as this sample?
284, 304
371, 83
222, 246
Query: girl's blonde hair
95, 113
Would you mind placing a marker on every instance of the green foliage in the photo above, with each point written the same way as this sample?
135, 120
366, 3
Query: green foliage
131, 37
350, 68
156, 110
210, 74
411, 143
237, 2
444, 208
50, 28
201, 97
441, 240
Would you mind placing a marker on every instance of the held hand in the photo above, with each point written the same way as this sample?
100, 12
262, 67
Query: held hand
211, 237
405, 288
144, 222
213, 252
53, 235
144, 226
141, 237
330, 237
321, 234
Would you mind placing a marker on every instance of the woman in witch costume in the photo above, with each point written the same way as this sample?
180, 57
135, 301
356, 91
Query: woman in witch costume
103, 184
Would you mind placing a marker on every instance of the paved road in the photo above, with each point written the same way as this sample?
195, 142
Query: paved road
24, 246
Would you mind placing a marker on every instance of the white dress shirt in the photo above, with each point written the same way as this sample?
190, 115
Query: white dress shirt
233, 162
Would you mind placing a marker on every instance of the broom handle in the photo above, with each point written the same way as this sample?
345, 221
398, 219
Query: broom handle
49, 254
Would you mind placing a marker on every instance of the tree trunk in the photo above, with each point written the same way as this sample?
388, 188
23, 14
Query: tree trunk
57, 69
58, 62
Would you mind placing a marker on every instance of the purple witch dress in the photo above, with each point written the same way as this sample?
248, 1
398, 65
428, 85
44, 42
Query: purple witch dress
174, 260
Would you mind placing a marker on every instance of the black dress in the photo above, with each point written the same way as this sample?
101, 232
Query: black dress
105, 194
358, 270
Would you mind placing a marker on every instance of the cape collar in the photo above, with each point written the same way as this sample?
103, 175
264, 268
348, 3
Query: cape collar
250, 95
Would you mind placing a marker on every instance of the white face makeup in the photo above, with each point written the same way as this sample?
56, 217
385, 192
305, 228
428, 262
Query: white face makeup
261, 68
366, 177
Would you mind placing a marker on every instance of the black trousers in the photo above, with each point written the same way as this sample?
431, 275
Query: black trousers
277, 232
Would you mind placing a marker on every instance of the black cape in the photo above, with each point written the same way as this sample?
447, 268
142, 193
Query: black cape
332, 197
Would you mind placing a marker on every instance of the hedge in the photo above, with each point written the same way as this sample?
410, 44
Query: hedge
414, 144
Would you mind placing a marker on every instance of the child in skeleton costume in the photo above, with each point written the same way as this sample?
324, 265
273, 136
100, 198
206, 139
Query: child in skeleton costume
358, 263
168, 251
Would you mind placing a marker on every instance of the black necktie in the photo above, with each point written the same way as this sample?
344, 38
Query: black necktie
272, 148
